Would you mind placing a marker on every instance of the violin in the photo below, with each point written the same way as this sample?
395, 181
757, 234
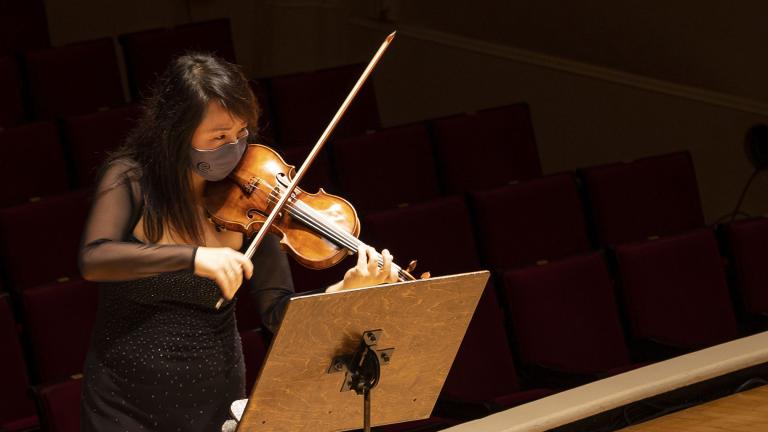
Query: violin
317, 229
261, 195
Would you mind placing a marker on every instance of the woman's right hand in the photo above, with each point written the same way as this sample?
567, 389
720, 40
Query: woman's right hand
225, 266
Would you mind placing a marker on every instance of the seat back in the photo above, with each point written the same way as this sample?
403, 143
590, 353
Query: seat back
649, 197
486, 149
676, 292
536, 220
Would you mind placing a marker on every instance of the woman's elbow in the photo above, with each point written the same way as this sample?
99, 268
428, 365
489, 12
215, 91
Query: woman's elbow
89, 270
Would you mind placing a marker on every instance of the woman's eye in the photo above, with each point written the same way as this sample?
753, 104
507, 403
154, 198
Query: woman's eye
243, 132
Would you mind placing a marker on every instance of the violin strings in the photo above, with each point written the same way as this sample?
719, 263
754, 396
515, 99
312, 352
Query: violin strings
350, 238
342, 238
304, 217
329, 229
339, 236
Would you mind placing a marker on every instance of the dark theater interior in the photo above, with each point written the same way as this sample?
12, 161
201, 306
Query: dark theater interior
602, 163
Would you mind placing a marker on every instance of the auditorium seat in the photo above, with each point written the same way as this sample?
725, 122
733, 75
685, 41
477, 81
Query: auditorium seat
32, 165
255, 347
266, 133
90, 136
748, 245
59, 406
39, 241
319, 174
148, 52
528, 222
17, 409
675, 291
649, 197
484, 370
486, 149
12, 105
565, 318
437, 233
213, 35
387, 168
305, 103
23, 25
74, 79
59, 317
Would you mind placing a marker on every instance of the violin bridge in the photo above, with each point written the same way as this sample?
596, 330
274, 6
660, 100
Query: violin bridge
253, 183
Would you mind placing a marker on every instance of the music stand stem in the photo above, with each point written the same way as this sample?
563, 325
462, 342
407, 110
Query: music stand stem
367, 410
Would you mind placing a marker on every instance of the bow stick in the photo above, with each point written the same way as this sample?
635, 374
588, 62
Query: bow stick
312, 155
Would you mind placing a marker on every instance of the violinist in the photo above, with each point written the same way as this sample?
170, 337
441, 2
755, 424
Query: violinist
161, 358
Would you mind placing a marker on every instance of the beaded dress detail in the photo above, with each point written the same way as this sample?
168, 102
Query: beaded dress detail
162, 358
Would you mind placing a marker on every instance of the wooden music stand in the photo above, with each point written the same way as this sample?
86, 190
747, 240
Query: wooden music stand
421, 324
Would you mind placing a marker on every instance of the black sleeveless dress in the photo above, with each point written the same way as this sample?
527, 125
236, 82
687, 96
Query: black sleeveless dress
162, 358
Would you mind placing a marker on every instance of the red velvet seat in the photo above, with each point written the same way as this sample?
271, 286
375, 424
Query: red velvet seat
148, 52
649, 197
74, 79
748, 244
437, 233
675, 291
23, 25
49, 251
59, 318
90, 136
12, 105
484, 370
387, 168
320, 172
59, 406
486, 149
565, 316
32, 165
536, 220
266, 133
305, 103
17, 409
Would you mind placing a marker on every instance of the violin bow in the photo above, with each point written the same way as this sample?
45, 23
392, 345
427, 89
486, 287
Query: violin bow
287, 194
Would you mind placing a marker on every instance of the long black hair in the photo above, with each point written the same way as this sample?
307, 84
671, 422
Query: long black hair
159, 144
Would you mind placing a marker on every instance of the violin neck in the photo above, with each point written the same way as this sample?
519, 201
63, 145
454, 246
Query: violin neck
402, 275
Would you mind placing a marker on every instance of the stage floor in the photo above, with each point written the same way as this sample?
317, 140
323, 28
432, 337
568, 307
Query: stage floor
742, 412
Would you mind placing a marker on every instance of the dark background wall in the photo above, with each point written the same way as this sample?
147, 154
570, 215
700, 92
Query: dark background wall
606, 80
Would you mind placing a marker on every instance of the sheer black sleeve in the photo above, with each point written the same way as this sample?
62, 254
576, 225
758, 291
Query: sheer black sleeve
105, 252
271, 285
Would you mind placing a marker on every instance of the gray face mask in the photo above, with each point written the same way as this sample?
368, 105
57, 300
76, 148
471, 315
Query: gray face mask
215, 164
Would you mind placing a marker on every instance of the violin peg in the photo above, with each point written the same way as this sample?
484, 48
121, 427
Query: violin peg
425, 275
412, 266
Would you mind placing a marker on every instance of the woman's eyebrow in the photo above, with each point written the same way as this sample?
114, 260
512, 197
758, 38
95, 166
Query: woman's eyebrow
224, 128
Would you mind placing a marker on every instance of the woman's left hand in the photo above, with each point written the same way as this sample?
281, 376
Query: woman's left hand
367, 271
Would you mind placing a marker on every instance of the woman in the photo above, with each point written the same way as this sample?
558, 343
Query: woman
161, 357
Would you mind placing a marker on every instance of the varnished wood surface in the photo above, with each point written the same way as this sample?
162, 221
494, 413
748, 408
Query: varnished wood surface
600, 396
424, 321
743, 412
